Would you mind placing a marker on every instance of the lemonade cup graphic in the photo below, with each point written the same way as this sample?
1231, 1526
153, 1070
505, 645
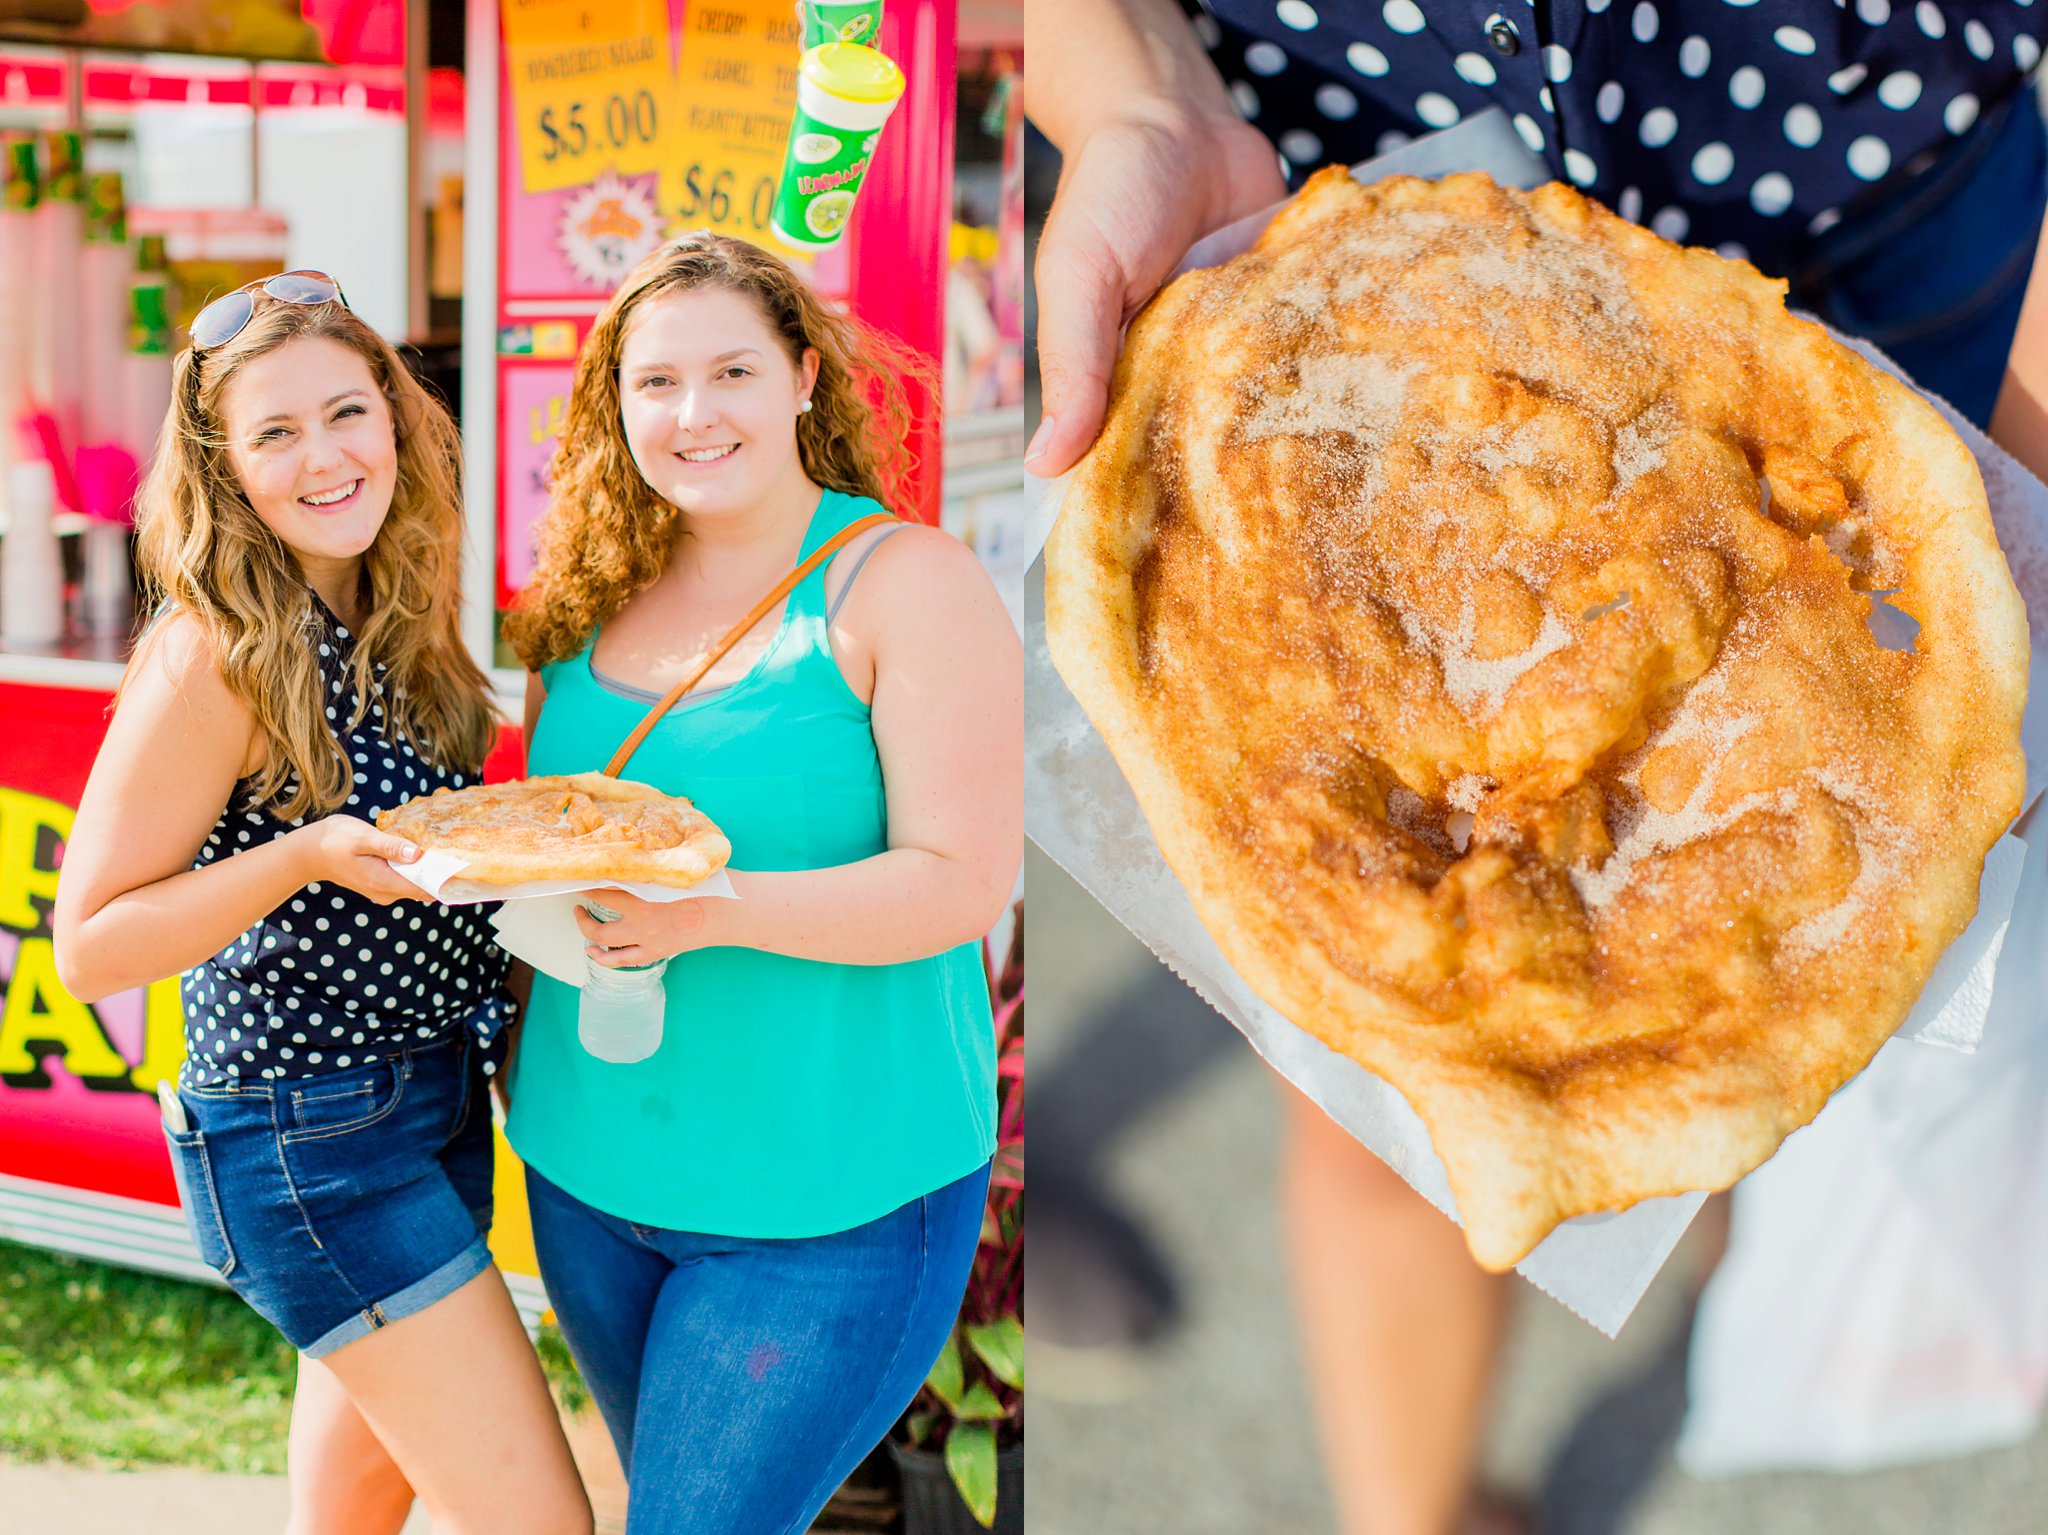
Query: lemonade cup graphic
840, 21
845, 93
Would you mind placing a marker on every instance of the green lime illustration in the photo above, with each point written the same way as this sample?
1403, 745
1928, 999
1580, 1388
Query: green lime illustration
827, 213
816, 148
855, 29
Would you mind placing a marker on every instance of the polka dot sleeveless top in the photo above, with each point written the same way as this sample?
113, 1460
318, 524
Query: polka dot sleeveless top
1750, 127
332, 980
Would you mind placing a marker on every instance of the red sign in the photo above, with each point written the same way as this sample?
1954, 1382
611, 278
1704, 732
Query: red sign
78, 1081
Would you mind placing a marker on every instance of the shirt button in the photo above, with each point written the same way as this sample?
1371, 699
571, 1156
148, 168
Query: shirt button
1502, 34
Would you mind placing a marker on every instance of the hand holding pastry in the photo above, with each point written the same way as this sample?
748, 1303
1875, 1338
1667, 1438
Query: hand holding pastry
342, 850
1156, 156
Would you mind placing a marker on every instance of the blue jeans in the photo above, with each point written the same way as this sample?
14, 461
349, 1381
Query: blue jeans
340, 1203
1934, 273
743, 1378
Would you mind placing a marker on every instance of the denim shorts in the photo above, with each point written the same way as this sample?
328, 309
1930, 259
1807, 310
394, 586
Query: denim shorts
340, 1203
1934, 270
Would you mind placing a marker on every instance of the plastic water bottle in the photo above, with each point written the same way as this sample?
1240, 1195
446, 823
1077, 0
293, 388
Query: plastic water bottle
619, 1018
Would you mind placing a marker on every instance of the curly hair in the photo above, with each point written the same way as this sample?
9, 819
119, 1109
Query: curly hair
606, 534
201, 546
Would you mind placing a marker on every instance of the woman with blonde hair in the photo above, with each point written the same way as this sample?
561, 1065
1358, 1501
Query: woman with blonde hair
757, 1238
331, 1131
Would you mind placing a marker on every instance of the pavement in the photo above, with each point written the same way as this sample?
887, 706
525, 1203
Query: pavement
68, 1500
51, 1499
1155, 1132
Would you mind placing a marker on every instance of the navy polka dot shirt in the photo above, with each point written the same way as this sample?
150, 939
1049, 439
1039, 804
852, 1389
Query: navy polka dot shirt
332, 980
1752, 127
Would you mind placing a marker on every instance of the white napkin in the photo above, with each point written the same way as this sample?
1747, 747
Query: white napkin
537, 922
1957, 997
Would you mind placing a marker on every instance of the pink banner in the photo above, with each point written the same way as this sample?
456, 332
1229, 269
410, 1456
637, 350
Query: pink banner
532, 397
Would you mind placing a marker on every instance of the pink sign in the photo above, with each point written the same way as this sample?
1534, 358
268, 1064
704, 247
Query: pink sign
532, 397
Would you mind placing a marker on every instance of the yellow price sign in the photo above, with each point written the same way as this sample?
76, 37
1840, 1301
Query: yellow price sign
735, 93
592, 88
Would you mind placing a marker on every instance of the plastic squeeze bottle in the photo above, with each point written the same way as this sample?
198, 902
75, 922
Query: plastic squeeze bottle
840, 21
59, 361
106, 469
844, 94
619, 1017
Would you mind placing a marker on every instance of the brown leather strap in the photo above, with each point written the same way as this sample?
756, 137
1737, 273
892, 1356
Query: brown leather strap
783, 588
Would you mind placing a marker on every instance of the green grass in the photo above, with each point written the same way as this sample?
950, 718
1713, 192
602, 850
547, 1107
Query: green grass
561, 1370
101, 1366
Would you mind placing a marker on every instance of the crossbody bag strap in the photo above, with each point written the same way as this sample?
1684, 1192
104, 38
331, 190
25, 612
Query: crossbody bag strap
783, 588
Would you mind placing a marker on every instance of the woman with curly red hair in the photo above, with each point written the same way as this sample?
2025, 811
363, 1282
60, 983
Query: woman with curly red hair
757, 1238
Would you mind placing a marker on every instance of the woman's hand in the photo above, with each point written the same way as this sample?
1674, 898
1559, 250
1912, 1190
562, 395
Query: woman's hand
646, 932
342, 850
1155, 157
1132, 198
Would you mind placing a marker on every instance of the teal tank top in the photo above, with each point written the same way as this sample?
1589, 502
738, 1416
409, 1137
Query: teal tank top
789, 1098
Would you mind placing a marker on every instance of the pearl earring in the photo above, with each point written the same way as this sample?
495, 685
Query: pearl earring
804, 408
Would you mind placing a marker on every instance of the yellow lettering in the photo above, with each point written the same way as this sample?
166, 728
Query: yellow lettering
23, 819
541, 427
40, 1011
163, 1036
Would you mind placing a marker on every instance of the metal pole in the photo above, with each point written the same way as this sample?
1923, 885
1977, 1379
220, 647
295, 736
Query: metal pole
480, 330
417, 128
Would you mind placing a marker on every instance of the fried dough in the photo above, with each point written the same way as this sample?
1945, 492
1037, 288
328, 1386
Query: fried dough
1473, 588
570, 826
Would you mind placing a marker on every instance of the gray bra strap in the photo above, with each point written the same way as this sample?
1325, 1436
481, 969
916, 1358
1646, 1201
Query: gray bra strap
854, 574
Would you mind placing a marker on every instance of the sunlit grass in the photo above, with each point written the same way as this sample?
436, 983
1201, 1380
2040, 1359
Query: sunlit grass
102, 1366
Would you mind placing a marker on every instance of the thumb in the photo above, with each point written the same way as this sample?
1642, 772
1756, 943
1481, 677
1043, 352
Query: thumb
398, 850
1080, 312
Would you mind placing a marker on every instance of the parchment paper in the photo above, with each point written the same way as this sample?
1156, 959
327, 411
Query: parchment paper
537, 922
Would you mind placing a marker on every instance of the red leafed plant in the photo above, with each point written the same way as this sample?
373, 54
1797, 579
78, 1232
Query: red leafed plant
972, 1403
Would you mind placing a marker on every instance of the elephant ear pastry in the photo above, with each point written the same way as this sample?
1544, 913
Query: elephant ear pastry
1475, 590
572, 826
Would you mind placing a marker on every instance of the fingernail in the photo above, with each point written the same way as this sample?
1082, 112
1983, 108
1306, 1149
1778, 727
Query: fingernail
1041, 438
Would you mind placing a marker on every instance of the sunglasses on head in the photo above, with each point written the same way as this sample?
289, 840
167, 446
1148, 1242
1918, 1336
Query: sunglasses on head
229, 315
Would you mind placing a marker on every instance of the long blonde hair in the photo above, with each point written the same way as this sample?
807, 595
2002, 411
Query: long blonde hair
201, 546
606, 534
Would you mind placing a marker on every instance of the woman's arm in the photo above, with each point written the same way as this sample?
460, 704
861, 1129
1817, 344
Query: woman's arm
2020, 423
949, 728
130, 908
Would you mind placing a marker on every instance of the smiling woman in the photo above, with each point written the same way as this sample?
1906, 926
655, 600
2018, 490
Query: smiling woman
330, 1131
757, 1238
696, 385
309, 436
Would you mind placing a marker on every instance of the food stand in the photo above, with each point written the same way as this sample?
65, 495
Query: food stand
524, 193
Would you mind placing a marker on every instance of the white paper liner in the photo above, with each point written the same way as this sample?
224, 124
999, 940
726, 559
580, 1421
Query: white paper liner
1884, 1295
1081, 813
537, 922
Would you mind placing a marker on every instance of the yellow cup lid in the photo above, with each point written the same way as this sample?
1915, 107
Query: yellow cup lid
853, 72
